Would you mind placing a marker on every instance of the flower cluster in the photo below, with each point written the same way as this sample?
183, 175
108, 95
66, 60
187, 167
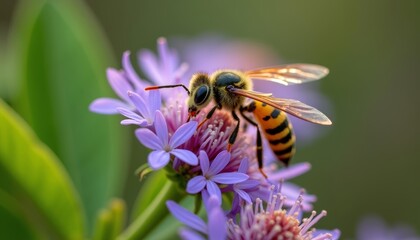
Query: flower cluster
195, 157
256, 221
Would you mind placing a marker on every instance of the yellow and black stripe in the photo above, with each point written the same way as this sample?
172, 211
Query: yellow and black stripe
276, 129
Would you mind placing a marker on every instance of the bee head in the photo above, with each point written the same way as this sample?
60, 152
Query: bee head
200, 93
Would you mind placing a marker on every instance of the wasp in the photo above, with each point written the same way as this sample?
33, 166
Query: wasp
230, 88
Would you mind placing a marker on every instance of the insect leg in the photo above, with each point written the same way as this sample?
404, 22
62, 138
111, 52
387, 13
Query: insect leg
234, 134
259, 140
209, 115
168, 86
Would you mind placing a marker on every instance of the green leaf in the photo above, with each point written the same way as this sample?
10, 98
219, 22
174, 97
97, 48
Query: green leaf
33, 177
13, 225
7, 83
62, 58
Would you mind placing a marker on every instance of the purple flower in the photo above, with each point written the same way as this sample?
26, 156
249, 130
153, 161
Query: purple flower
161, 69
215, 229
289, 189
374, 228
144, 114
163, 147
121, 82
256, 221
241, 189
274, 222
164, 68
246, 190
211, 175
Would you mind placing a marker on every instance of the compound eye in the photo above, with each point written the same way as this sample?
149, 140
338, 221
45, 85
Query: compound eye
201, 94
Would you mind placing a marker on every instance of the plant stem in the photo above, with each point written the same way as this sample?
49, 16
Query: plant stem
153, 214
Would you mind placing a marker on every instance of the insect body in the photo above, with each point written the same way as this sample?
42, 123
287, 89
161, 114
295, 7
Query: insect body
276, 129
230, 88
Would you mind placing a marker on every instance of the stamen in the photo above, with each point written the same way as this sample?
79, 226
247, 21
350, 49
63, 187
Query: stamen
311, 222
274, 231
282, 200
306, 221
256, 206
245, 216
280, 185
273, 204
295, 206
271, 196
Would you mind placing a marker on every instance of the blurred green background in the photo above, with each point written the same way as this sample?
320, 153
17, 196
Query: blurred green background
369, 161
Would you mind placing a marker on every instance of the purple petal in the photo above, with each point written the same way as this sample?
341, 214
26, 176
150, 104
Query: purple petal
161, 127
217, 224
235, 207
196, 184
245, 196
136, 119
305, 206
158, 159
220, 162
132, 75
155, 102
292, 191
129, 113
204, 161
187, 234
186, 156
149, 139
183, 215
180, 72
140, 104
291, 172
107, 105
243, 167
168, 58
150, 66
183, 133
336, 234
248, 184
205, 196
213, 189
118, 83
230, 178
164, 56
141, 123
261, 193
213, 203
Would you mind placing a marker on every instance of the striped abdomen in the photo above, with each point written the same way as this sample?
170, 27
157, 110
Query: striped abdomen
276, 129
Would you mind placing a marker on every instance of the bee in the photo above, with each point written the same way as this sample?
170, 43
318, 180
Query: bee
229, 89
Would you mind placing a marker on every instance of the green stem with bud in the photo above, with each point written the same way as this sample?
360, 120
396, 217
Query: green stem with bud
110, 221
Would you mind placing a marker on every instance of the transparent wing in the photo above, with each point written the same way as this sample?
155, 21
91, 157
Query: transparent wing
290, 74
293, 107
